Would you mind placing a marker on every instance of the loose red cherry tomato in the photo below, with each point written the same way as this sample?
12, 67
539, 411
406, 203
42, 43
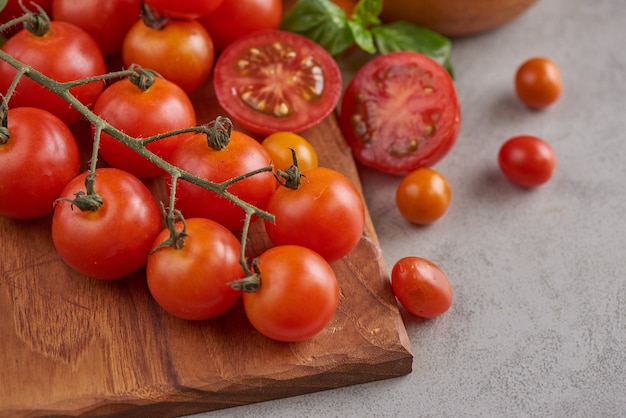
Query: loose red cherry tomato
163, 107
527, 160
298, 296
114, 240
325, 213
274, 80
107, 21
400, 112
423, 196
181, 51
242, 155
36, 162
234, 19
538, 82
65, 53
421, 287
192, 282
187, 9
279, 146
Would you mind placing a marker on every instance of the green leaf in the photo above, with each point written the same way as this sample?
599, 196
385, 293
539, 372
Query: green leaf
323, 22
2, 4
366, 12
362, 37
404, 36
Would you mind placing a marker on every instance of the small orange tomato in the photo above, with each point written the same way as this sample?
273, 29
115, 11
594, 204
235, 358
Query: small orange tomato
423, 196
421, 287
538, 82
279, 144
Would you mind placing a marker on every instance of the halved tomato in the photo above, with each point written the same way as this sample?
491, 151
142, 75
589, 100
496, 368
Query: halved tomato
274, 80
400, 112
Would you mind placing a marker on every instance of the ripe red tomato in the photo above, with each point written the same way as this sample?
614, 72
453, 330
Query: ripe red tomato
242, 155
107, 21
113, 241
400, 112
423, 196
40, 157
274, 80
181, 51
527, 160
234, 19
421, 287
325, 213
192, 282
538, 82
188, 9
298, 296
279, 145
51, 54
13, 9
164, 107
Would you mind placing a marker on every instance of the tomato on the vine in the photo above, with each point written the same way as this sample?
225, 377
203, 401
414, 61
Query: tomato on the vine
538, 82
324, 213
13, 9
400, 112
298, 295
191, 282
107, 21
64, 53
527, 160
421, 287
279, 146
234, 19
273, 80
114, 240
242, 155
423, 196
187, 9
163, 107
181, 51
38, 159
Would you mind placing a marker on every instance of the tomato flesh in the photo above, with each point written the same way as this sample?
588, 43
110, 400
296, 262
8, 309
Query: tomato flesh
400, 112
274, 80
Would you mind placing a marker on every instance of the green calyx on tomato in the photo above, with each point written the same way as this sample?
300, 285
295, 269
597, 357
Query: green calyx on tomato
327, 24
89, 200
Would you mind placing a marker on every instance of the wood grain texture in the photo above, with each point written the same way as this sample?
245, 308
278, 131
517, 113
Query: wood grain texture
75, 346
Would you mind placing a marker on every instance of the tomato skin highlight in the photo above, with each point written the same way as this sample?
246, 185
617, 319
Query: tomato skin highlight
527, 160
423, 196
273, 80
538, 82
41, 157
115, 240
325, 214
298, 296
421, 287
400, 112
192, 282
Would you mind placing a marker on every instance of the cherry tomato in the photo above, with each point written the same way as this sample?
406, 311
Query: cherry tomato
181, 51
192, 282
242, 155
13, 9
65, 53
279, 145
273, 80
325, 213
40, 157
188, 9
163, 107
107, 21
423, 196
298, 296
421, 287
400, 112
113, 241
527, 161
538, 82
234, 19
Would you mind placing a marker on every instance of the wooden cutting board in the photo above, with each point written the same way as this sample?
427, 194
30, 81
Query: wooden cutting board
76, 346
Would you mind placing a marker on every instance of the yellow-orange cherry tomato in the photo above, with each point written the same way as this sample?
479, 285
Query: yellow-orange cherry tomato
538, 82
278, 147
423, 196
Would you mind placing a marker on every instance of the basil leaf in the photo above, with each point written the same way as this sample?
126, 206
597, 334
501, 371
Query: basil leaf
366, 12
323, 22
362, 37
404, 36
2, 4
